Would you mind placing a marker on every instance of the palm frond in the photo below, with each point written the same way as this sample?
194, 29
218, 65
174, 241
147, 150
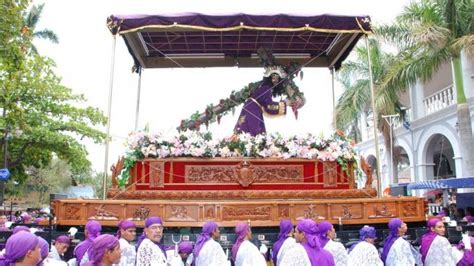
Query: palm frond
33, 16
47, 35
412, 66
465, 43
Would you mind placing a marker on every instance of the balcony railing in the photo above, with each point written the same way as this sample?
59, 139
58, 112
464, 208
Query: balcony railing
439, 100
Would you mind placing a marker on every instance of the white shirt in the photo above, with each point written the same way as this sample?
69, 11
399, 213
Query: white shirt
174, 259
211, 254
400, 254
54, 254
338, 252
249, 255
364, 254
440, 253
53, 262
129, 254
149, 254
296, 256
287, 245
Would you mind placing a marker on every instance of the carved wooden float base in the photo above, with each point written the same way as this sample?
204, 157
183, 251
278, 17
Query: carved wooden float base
181, 213
241, 194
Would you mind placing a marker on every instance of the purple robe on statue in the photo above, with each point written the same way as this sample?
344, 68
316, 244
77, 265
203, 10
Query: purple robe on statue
251, 117
317, 255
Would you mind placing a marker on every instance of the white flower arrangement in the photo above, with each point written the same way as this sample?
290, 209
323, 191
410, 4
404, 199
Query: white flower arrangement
143, 144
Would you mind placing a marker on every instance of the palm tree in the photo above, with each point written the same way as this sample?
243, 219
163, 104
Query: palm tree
355, 100
429, 33
30, 21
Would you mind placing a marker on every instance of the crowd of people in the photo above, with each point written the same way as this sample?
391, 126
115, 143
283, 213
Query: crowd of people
305, 244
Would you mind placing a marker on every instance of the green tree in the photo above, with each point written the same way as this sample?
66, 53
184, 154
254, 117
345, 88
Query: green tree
355, 100
54, 178
429, 33
30, 22
40, 118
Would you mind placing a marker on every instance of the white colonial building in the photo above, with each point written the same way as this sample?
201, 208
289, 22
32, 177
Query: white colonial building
428, 145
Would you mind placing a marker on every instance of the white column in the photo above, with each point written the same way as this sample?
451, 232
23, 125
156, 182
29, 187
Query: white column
467, 75
416, 100
363, 126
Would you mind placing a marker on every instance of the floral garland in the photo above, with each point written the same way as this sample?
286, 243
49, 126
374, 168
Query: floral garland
214, 113
143, 144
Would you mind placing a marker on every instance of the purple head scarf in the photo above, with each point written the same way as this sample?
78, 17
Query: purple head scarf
241, 231
44, 247
317, 255
149, 222
93, 231
324, 228
185, 247
365, 232
428, 238
205, 235
393, 225
63, 239
18, 246
99, 246
124, 225
20, 228
285, 228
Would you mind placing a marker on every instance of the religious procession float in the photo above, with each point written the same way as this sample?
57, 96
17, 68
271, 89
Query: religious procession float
191, 178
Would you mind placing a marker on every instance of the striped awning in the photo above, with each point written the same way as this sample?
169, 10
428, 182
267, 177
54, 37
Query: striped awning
467, 182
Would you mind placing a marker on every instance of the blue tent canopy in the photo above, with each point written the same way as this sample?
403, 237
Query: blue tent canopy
467, 182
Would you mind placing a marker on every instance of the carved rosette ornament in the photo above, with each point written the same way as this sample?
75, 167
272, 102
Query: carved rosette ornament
141, 213
244, 173
72, 212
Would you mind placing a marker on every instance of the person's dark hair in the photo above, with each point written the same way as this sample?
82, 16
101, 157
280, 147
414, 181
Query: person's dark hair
278, 90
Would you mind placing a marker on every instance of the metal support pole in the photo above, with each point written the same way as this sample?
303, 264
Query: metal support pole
137, 112
390, 119
109, 116
333, 73
375, 116
5, 164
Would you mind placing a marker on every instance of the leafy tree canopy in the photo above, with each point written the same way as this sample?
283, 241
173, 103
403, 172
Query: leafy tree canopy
40, 118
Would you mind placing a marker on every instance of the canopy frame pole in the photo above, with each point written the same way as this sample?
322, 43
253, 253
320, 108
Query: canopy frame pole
137, 111
109, 116
333, 76
375, 117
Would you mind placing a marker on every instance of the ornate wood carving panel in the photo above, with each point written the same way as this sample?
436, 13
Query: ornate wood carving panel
157, 174
248, 173
236, 213
181, 213
177, 213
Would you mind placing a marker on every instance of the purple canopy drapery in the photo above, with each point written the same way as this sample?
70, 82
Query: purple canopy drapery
200, 40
